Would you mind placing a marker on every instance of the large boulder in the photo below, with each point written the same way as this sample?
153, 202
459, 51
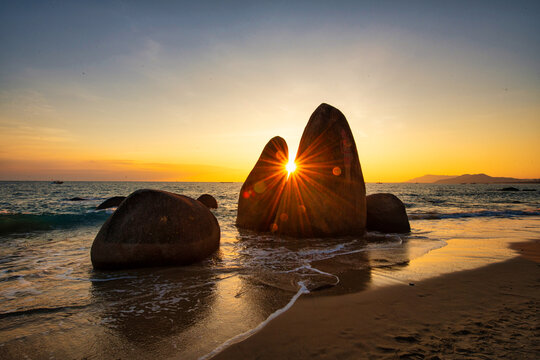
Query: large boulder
326, 194
111, 202
155, 228
261, 192
387, 214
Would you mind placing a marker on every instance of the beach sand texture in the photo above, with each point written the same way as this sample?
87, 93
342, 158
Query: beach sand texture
484, 313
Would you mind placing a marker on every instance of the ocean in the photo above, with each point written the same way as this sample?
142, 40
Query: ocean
53, 304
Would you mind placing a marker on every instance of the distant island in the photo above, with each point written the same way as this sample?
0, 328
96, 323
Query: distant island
469, 179
429, 179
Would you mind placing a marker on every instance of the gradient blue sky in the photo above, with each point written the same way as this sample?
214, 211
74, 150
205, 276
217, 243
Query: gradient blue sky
182, 91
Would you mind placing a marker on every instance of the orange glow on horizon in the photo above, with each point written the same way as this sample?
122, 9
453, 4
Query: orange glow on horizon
201, 108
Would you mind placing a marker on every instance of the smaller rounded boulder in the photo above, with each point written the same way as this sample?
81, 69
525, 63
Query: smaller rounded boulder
155, 228
386, 213
208, 200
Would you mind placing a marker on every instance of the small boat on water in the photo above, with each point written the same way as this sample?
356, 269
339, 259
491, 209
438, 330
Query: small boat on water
57, 182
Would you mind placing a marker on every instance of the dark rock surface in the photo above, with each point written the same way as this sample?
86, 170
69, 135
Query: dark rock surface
326, 194
208, 200
387, 214
155, 228
111, 202
261, 192
510, 188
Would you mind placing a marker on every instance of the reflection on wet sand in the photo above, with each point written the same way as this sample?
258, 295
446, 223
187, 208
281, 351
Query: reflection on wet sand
187, 312
152, 298
486, 242
353, 271
158, 311
149, 313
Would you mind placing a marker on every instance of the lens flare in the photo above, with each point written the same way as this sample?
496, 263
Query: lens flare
291, 166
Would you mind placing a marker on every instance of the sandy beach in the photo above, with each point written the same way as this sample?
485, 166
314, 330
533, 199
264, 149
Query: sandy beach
203, 180
483, 313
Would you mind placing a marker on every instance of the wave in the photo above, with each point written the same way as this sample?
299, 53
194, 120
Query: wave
24, 223
475, 214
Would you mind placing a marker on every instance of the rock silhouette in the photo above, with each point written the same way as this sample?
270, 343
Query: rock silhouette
261, 192
155, 228
111, 202
387, 214
208, 200
324, 197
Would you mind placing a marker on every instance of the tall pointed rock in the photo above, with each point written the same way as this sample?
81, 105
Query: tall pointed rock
326, 195
261, 192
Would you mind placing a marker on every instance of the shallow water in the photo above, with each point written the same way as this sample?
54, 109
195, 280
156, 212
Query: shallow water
52, 303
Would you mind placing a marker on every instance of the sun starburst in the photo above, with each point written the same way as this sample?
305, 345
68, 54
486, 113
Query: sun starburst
291, 167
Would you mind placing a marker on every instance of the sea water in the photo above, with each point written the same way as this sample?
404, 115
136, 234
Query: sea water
53, 304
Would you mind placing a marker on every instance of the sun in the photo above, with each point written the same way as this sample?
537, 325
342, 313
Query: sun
291, 166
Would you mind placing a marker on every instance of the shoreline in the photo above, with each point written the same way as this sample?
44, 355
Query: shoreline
189, 312
488, 311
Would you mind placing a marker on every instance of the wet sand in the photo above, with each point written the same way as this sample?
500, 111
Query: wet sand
484, 313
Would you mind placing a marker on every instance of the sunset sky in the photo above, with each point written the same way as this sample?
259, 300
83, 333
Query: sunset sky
127, 90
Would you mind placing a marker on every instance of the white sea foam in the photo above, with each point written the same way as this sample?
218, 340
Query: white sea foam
327, 250
384, 245
245, 335
308, 266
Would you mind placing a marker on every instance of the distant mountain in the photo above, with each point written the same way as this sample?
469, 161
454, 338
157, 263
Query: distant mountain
429, 179
469, 179
483, 179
